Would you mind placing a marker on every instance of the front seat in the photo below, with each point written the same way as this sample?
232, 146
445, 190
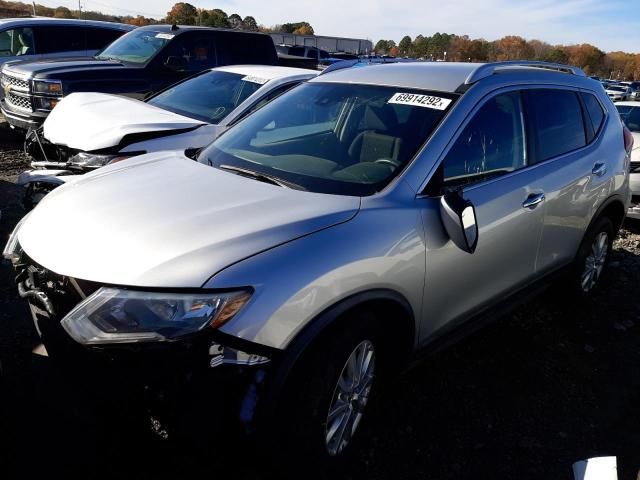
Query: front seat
25, 47
371, 145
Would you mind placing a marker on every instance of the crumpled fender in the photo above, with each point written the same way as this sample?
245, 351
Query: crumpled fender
54, 177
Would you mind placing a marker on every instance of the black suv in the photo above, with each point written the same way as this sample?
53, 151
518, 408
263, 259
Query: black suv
139, 63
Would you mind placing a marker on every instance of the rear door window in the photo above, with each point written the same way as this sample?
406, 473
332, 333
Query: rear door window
59, 39
98, 38
235, 48
556, 122
16, 42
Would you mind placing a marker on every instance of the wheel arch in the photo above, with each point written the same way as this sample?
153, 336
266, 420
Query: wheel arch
382, 302
613, 208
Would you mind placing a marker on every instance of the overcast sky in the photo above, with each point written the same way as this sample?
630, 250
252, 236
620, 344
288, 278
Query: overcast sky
608, 24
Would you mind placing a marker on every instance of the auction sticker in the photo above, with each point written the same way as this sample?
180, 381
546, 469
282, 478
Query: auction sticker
253, 79
417, 100
165, 36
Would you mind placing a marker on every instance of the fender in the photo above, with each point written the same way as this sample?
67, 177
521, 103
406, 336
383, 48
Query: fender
312, 331
610, 200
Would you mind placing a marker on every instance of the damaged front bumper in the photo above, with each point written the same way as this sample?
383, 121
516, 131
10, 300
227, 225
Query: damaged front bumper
49, 174
196, 388
39, 182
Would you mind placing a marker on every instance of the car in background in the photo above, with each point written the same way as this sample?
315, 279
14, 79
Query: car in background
344, 56
630, 114
310, 54
89, 130
138, 64
618, 93
322, 244
634, 87
40, 38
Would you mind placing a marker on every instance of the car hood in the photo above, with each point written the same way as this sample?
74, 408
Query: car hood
162, 220
95, 121
47, 66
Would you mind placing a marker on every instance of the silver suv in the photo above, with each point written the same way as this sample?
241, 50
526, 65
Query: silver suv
325, 240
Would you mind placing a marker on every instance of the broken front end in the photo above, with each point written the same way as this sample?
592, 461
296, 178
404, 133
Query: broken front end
189, 386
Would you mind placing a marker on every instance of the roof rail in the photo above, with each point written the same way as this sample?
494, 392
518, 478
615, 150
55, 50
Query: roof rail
339, 66
488, 69
360, 62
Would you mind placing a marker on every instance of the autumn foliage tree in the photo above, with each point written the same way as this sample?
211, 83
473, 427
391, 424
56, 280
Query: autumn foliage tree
297, 28
586, 56
461, 48
304, 30
139, 21
214, 18
63, 12
182, 14
513, 47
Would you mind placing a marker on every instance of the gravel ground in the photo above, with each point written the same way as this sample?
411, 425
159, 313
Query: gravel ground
524, 398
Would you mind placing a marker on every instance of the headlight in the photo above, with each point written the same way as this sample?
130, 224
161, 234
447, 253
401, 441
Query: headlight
125, 316
42, 103
47, 87
92, 160
12, 249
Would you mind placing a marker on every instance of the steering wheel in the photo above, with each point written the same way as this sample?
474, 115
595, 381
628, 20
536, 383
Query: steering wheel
387, 161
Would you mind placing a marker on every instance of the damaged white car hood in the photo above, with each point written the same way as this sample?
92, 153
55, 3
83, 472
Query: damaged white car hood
94, 121
162, 220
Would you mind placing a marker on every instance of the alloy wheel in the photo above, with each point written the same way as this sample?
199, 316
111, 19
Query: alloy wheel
594, 263
350, 397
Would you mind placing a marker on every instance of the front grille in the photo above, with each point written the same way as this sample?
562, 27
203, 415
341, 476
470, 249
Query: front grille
19, 101
18, 83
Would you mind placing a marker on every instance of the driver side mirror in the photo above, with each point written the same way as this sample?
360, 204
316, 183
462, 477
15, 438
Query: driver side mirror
459, 219
175, 63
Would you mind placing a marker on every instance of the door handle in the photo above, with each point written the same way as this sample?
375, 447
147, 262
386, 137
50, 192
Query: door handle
599, 169
533, 200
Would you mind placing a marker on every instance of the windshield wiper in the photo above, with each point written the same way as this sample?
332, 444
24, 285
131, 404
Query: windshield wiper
262, 177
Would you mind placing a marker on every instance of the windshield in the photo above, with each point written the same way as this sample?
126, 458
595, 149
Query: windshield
333, 138
630, 116
138, 46
615, 88
209, 97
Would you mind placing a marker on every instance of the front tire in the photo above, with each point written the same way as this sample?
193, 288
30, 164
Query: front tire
329, 394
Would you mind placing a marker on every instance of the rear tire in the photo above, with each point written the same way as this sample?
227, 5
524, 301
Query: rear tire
593, 257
